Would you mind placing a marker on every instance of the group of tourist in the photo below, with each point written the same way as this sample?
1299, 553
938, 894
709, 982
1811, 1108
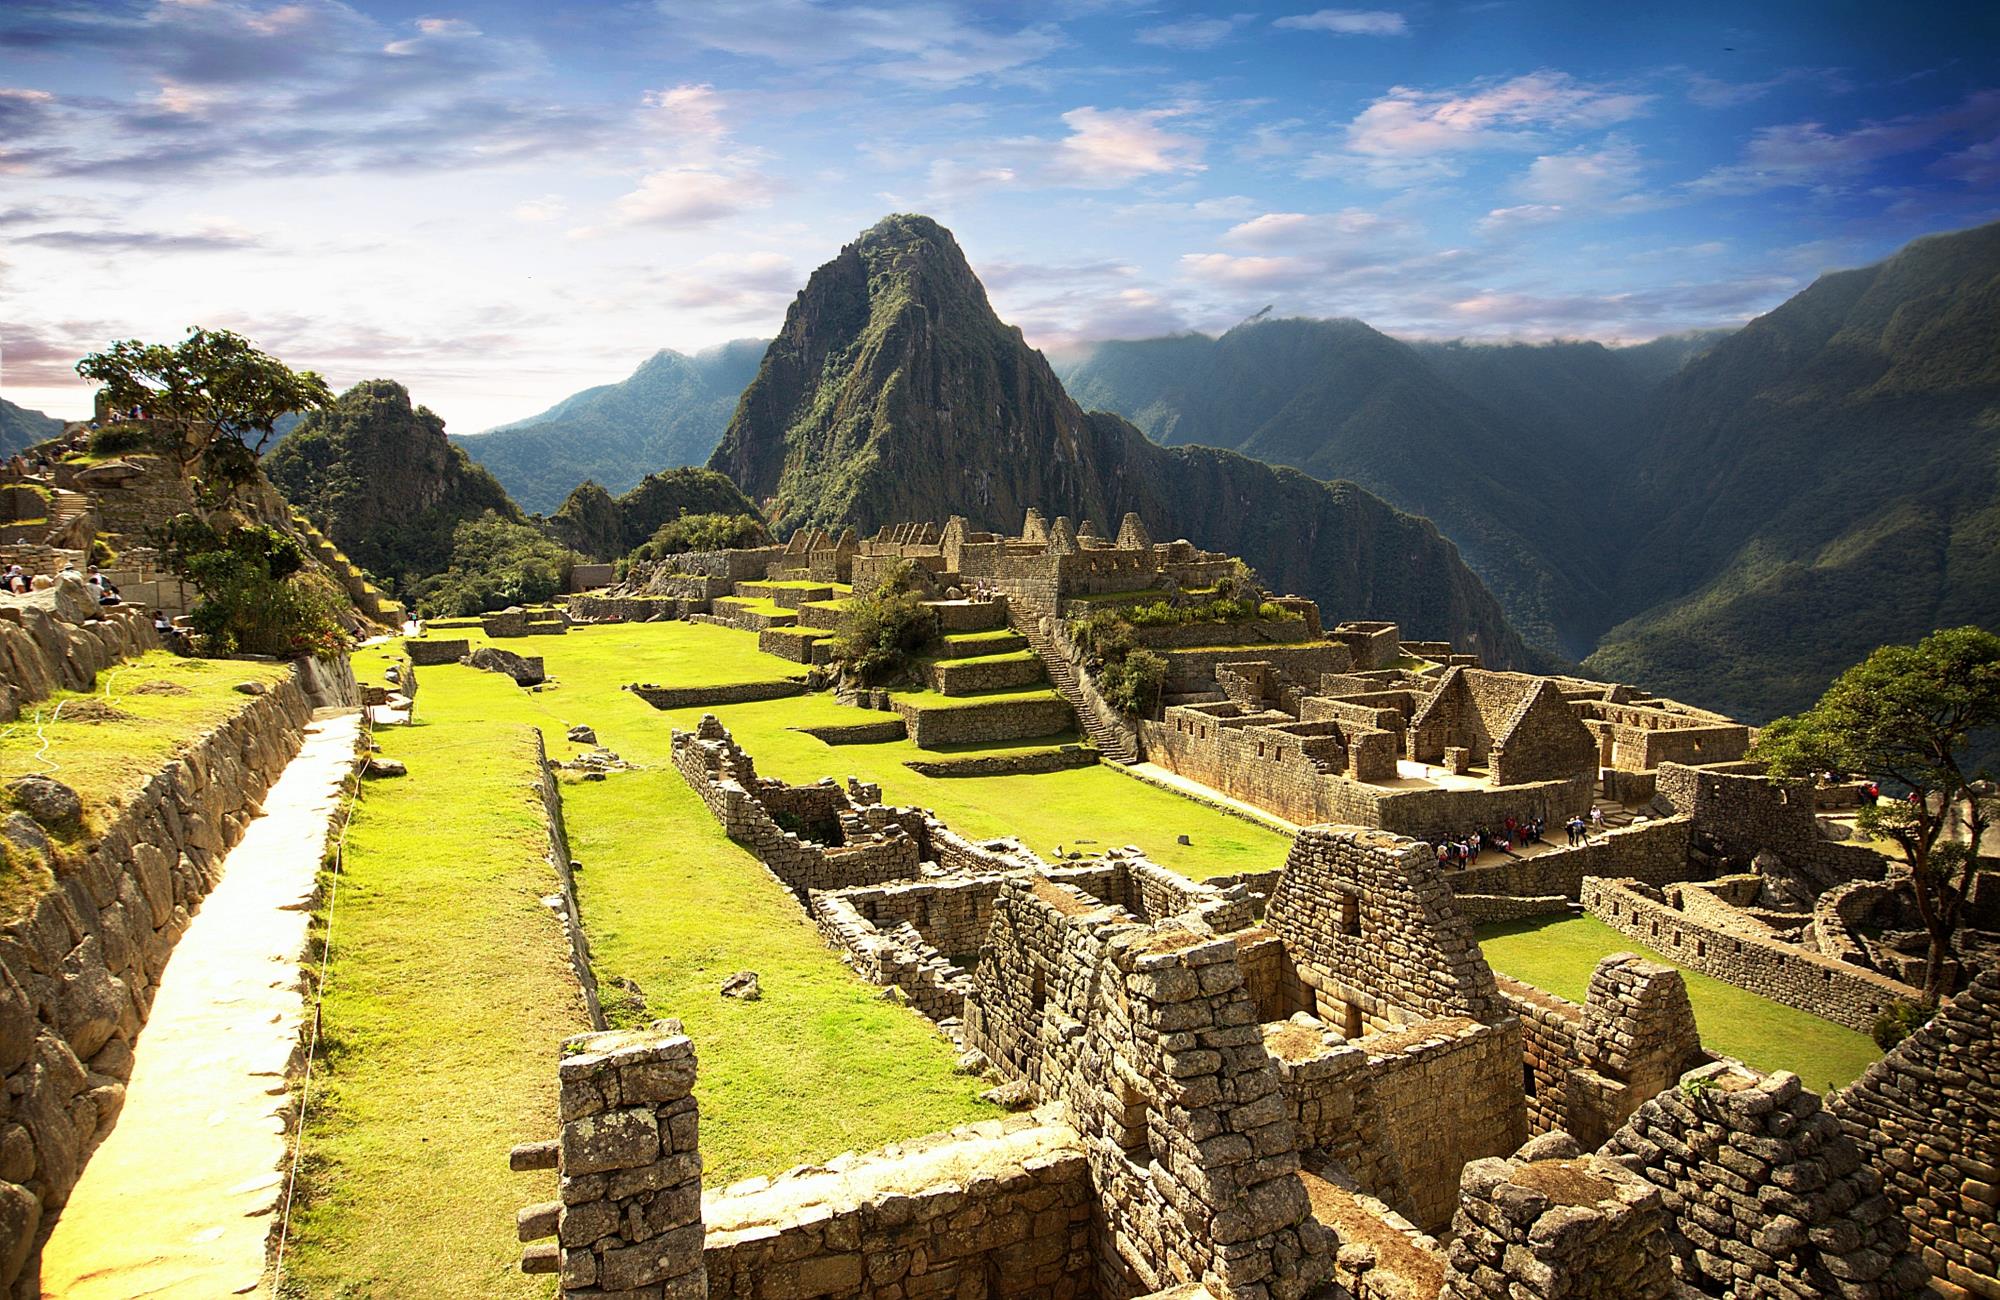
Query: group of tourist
19, 582
1515, 833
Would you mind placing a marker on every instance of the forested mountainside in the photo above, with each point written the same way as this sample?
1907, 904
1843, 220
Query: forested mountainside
604, 527
380, 478
668, 413
894, 392
1823, 481
21, 427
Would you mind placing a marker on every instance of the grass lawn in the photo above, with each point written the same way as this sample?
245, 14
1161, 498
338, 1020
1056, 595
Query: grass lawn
1559, 956
927, 699
105, 744
448, 997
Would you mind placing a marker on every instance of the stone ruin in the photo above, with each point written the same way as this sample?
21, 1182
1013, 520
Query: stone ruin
1304, 1084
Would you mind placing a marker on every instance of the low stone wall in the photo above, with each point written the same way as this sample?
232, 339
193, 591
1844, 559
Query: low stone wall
896, 955
1927, 1117
859, 733
969, 724
60, 639
698, 697
521, 622
566, 905
79, 970
1479, 1067
1797, 977
425, 653
1490, 909
1002, 1208
1193, 668
1257, 632
1549, 1029
1553, 1224
592, 608
965, 676
1018, 764
1654, 851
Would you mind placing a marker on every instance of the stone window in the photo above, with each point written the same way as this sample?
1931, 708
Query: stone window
1351, 1026
1350, 915
1527, 1078
1701, 947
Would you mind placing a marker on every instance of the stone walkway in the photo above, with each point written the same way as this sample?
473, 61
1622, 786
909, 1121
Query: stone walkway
178, 1200
1154, 774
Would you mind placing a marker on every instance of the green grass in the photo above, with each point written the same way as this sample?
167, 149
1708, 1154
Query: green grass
973, 638
1559, 956
107, 743
1009, 657
448, 997
927, 699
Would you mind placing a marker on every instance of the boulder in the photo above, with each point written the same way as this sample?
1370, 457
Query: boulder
48, 801
582, 735
384, 767
526, 670
742, 986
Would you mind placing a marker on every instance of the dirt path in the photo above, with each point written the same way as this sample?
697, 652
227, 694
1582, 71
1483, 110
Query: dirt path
178, 1200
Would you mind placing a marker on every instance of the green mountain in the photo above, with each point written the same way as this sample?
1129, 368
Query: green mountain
1823, 481
380, 479
894, 392
605, 527
21, 427
1498, 444
668, 413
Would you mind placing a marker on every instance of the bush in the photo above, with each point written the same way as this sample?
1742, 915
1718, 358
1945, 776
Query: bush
117, 439
1132, 684
255, 596
1902, 1019
494, 563
883, 632
703, 533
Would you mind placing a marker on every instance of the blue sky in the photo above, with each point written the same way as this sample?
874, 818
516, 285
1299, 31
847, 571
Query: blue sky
500, 203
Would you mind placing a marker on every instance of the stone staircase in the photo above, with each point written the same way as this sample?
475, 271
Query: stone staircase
367, 597
1114, 744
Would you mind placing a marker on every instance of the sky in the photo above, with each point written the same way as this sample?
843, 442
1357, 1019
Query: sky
501, 202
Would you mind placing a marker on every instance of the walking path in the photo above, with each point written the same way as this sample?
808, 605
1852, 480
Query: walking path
178, 1200
1154, 774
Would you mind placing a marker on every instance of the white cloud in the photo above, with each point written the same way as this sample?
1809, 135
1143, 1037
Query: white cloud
1191, 34
1807, 154
691, 196
1112, 146
1498, 114
1348, 22
1347, 229
546, 208
925, 42
1245, 272
1584, 177
1506, 221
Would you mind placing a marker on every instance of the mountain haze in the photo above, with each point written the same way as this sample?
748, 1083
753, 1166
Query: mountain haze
668, 413
894, 392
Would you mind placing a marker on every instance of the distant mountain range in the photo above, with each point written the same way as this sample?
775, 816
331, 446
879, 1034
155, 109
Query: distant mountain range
894, 392
670, 412
21, 427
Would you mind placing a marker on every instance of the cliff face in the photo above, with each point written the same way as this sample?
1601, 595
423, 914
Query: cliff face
894, 392
379, 477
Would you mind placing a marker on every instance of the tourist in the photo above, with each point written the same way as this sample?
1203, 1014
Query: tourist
1443, 852
69, 572
1597, 817
107, 594
16, 580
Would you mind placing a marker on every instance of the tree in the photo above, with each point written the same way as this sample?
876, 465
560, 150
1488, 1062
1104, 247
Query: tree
256, 593
1911, 718
213, 397
495, 563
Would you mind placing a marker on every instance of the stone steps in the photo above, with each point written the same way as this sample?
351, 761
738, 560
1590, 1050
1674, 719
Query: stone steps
1111, 743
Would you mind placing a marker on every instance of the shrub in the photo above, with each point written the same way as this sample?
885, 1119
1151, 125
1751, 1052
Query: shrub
1899, 1021
883, 631
1132, 684
116, 439
255, 596
703, 533
494, 563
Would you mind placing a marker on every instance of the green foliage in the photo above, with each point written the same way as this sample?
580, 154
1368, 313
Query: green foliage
884, 630
1901, 1019
256, 596
124, 436
1911, 717
1132, 683
212, 397
601, 526
1222, 609
495, 562
705, 532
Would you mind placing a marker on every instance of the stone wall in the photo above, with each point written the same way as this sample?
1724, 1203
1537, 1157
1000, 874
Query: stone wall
60, 639
565, 903
1927, 1117
1372, 928
1478, 1067
997, 1209
1796, 976
1552, 1224
698, 697
424, 652
1766, 1195
78, 971
1040, 715
1492, 909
